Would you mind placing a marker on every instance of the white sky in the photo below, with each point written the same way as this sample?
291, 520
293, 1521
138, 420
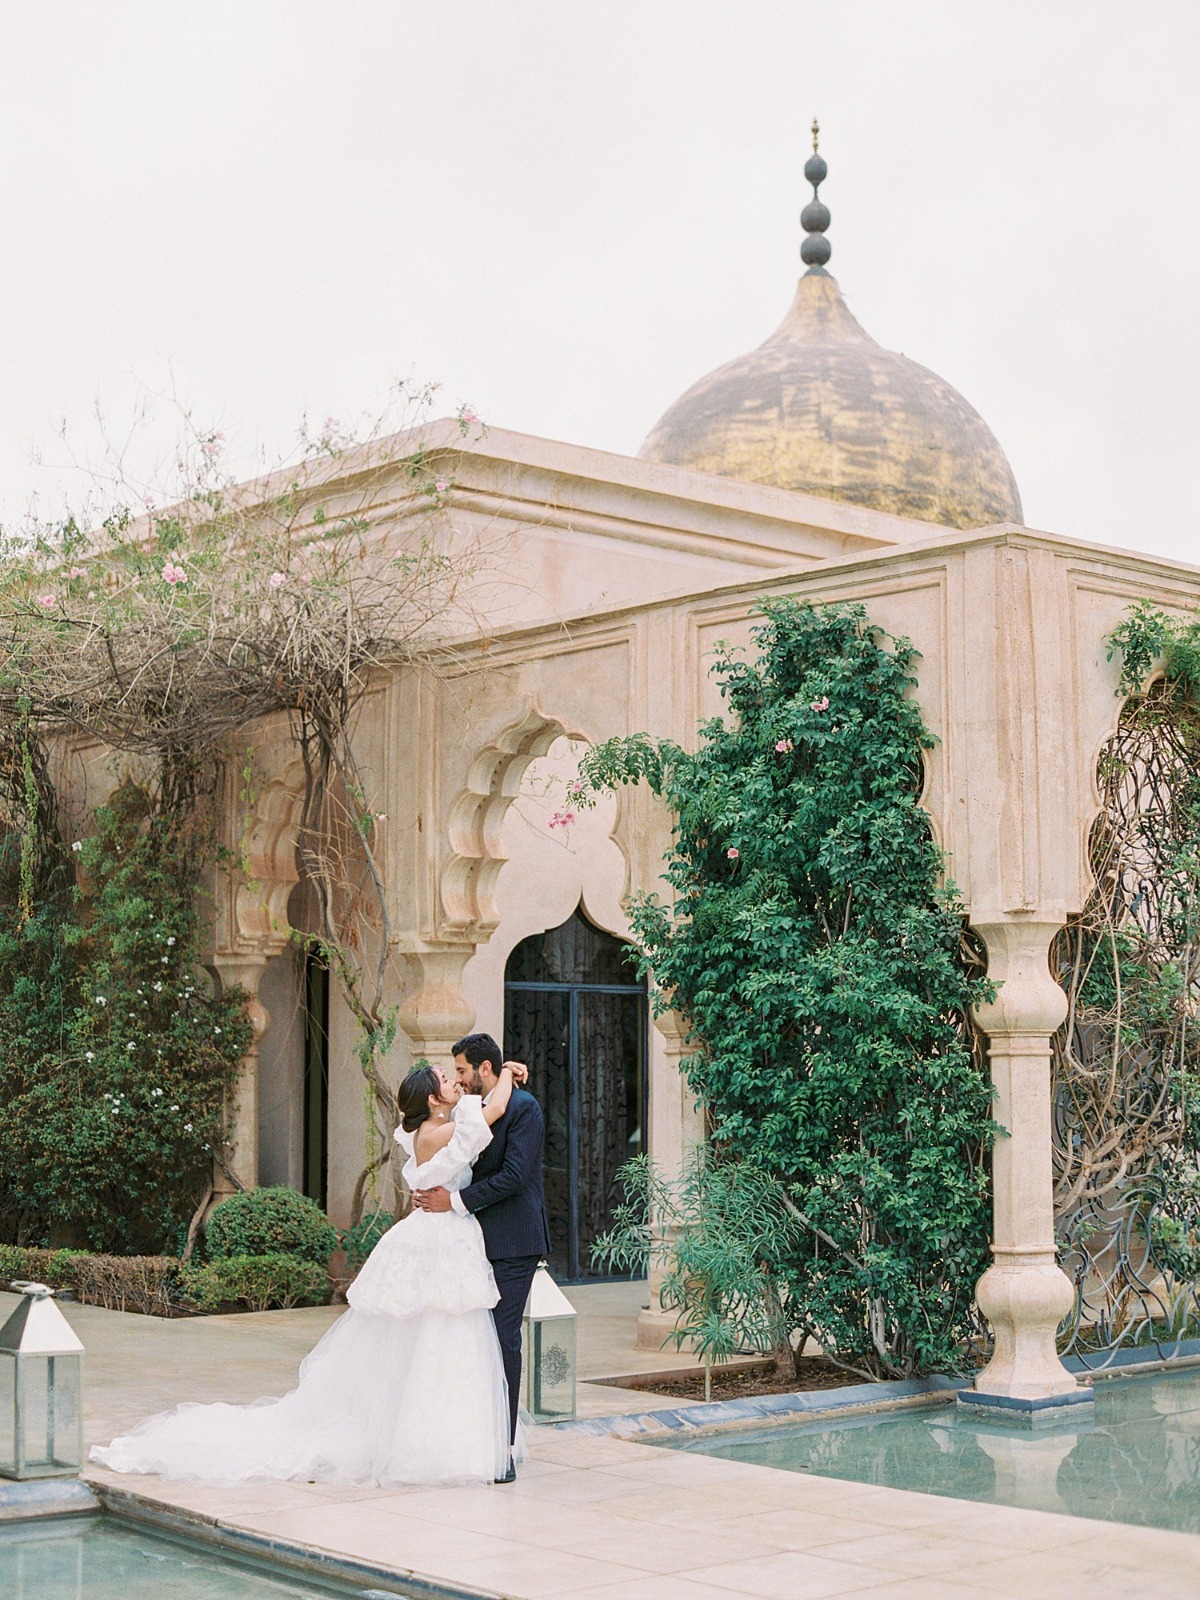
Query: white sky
567, 211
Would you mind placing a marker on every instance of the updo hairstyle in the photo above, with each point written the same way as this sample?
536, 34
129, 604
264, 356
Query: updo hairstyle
412, 1097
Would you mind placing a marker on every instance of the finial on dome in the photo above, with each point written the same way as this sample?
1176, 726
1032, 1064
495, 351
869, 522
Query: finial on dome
814, 219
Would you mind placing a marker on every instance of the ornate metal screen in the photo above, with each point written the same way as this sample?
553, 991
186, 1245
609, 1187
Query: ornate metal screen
575, 1010
1127, 1059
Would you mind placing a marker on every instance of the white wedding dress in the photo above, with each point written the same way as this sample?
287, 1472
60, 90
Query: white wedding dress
406, 1387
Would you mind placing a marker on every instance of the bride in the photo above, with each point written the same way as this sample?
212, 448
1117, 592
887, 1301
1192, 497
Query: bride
372, 1405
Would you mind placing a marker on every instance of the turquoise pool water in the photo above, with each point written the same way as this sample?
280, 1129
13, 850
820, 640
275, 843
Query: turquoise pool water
102, 1558
1136, 1460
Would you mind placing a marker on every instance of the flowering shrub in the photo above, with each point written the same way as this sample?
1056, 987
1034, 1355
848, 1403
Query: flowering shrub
114, 1054
819, 960
268, 1222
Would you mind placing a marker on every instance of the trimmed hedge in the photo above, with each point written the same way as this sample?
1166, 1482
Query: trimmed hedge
162, 1286
260, 1283
270, 1222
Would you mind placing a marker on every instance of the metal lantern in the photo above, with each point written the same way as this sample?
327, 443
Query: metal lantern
549, 1351
41, 1389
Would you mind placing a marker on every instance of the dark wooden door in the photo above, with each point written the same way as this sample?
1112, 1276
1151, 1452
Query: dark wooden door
575, 1010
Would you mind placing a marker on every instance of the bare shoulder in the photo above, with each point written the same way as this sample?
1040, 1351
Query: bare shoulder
431, 1137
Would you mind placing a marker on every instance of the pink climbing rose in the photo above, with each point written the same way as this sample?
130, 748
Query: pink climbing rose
783, 746
822, 704
173, 573
733, 852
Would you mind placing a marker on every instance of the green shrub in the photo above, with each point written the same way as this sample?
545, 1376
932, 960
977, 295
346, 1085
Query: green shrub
55, 1268
270, 1222
259, 1282
816, 954
361, 1239
115, 1057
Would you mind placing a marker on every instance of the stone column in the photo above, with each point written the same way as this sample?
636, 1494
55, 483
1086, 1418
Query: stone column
676, 1128
434, 1015
1024, 1294
241, 1108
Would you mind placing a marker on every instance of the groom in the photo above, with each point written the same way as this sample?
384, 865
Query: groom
506, 1196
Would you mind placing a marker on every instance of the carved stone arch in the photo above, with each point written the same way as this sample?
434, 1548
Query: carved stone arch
468, 879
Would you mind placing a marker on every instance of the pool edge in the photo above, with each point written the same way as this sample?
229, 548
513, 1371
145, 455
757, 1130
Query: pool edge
298, 1559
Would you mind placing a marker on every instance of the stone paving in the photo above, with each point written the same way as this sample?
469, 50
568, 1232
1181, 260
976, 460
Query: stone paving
607, 1517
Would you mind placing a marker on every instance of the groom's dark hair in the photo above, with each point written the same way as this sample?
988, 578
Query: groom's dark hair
478, 1048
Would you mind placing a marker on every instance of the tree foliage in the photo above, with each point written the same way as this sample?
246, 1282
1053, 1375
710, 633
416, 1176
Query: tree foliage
819, 960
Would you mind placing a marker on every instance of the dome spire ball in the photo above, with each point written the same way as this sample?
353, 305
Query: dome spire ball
814, 219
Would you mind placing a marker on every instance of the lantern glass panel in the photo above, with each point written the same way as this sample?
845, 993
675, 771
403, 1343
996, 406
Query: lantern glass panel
47, 1415
8, 1414
550, 1369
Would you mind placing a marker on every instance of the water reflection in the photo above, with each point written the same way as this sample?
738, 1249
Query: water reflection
1137, 1460
95, 1558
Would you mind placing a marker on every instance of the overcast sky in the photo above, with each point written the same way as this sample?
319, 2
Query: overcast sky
567, 210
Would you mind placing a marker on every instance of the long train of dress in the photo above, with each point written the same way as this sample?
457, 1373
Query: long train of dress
406, 1387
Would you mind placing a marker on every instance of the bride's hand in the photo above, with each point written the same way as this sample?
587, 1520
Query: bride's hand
520, 1072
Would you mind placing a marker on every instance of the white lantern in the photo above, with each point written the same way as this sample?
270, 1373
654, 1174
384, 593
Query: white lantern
549, 1367
41, 1389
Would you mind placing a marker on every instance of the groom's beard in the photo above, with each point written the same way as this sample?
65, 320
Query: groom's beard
476, 1084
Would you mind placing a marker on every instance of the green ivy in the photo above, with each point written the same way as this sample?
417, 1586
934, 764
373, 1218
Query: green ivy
115, 1056
816, 953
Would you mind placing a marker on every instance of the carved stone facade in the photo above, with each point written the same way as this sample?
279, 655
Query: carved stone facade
610, 581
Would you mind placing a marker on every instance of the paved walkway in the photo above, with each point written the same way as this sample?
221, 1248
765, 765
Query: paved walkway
607, 1518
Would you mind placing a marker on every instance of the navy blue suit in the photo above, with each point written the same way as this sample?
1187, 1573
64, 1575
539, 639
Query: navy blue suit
507, 1196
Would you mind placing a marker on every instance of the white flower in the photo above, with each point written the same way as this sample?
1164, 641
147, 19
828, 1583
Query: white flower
171, 938
129, 1046
77, 846
216, 1030
100, 1000
158, 988
89, 1055
187, 1127
163, 959
174, 1108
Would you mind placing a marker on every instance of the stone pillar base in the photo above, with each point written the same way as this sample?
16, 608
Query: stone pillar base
654, 1329
1074, 1408
1024, 1294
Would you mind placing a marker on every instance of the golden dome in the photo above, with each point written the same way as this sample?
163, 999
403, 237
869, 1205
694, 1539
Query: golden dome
821, 407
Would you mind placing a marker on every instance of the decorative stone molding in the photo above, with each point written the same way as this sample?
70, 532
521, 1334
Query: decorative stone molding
468, 879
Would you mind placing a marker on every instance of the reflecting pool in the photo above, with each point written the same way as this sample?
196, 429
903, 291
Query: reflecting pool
103, 1558
1137, 1459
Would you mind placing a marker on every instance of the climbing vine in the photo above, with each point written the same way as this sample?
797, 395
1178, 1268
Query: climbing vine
158, 636
1127, 1059
820, 963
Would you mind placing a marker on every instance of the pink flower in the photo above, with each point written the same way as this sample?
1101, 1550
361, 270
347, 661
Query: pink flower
173, 573
46, 601
331, 424
277, 580
733, 852
822, 704
442, 485
469, 416
783, 746
77, 572
562, 819
575, 787
148, 501
213, 445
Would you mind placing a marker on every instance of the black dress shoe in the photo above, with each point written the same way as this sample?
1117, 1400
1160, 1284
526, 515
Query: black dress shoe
510, 1476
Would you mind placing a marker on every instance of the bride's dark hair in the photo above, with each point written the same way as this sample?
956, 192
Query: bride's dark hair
412, 1097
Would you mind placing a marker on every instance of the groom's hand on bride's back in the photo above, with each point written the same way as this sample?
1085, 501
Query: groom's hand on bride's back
432, 1199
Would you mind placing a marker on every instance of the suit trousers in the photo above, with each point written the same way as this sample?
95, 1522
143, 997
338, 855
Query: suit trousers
513, 1279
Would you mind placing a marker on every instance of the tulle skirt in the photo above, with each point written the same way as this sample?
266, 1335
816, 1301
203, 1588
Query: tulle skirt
407, 1387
